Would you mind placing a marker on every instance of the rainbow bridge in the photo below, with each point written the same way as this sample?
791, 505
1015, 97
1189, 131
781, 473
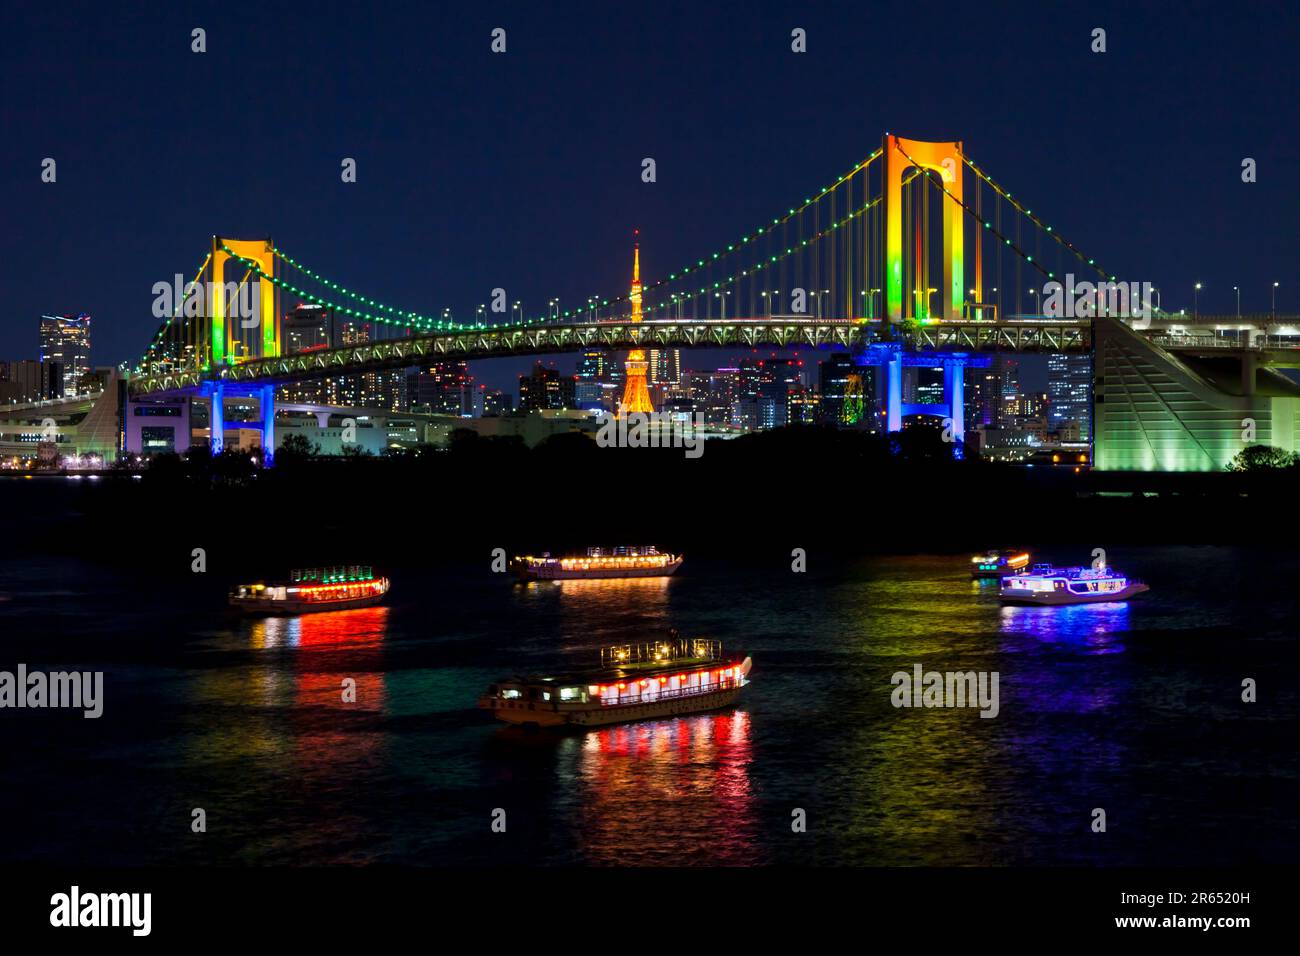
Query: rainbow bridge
913, 257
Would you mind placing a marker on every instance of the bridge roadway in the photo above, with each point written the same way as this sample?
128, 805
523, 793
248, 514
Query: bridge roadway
1048, 335
1277, 337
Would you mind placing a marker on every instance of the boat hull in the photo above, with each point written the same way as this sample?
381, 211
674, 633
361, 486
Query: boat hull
550, 573
264, 608
525, 713
1058, 598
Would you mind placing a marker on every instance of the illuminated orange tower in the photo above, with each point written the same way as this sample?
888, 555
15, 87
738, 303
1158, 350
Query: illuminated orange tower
636, 397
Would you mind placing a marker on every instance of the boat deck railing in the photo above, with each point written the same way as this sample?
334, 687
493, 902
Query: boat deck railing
661, 652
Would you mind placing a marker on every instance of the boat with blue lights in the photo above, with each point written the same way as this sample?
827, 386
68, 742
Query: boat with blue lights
621, 562
312, 589
633, 682
998, 564
1047, 585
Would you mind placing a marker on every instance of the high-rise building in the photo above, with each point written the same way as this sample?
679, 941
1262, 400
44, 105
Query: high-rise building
592, 386
665, 366
924, 386
65, 339
848, 392
306, 329
28, 380
1010, 399
497, 403
445, 388
545, 388
1069, 390
983, 396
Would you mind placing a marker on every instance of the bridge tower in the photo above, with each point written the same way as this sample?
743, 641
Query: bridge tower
945, 159
636, 397
262, 252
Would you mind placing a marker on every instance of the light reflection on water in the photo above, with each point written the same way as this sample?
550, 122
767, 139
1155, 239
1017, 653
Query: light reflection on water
255, 725
1093, 628
669, 792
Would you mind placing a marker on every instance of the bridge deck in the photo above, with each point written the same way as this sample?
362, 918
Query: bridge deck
775, 332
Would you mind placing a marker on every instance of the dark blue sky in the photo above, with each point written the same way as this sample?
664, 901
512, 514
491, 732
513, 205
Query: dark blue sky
523, 171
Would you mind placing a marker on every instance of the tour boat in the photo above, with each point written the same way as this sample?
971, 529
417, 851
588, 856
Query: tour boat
599, 563
633, 682
312, 589
998, 564
1045, 584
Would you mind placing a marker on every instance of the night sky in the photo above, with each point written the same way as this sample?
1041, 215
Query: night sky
522, 170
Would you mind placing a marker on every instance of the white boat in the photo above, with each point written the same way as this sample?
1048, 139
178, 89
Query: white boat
634, 682
1048, 585
622, 562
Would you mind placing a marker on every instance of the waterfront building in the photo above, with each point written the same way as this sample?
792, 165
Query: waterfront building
1069, 387
65, 339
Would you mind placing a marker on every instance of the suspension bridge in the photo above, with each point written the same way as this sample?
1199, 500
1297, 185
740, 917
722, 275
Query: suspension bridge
914, 256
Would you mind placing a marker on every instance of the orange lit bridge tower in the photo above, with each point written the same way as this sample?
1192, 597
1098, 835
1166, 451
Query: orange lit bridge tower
636, 397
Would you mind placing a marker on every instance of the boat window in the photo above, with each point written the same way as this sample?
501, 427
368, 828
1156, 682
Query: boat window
570, 693
511, 693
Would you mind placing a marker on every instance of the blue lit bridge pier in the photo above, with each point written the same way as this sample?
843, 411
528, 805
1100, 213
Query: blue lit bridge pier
893, 361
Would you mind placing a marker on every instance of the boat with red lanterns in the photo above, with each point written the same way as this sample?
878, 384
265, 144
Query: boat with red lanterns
312, 589
620, 562
633, 682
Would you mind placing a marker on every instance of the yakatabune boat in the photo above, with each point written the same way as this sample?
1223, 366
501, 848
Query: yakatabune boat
1045, 584
997, 564
599, 563
633, 682
312, 589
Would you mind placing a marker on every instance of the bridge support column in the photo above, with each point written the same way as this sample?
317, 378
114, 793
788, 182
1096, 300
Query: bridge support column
266, 404
954, 396
217, 419
893, 367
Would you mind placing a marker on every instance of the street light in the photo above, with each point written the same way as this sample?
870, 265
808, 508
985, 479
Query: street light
769, 299
1237, 289
723, 297
1037, 300
817, 294
1274, 301
1196, 301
